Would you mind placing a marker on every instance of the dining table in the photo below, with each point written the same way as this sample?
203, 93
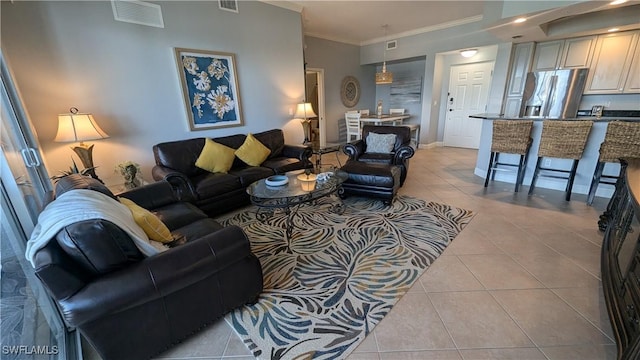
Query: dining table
385, 119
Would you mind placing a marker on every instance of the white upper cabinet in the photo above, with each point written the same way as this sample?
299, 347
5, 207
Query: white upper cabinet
519, 68
564, 54
547, 56
521, 61
577, 52
632, 84
611, 63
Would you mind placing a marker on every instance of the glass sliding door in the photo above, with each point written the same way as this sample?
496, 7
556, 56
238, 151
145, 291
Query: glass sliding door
32, 327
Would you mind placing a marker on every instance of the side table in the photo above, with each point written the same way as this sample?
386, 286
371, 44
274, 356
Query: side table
319, 150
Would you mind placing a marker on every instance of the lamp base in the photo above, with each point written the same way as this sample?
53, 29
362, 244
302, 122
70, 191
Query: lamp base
85, 153
306, 128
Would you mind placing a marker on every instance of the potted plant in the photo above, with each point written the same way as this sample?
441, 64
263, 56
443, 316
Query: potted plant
130, 171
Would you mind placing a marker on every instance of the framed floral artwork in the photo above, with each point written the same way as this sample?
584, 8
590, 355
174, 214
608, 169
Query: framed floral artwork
210, 88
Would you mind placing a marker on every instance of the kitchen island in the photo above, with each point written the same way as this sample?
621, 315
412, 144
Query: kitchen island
586, 166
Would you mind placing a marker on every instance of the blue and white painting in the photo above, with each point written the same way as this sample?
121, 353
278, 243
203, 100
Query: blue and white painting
210, 88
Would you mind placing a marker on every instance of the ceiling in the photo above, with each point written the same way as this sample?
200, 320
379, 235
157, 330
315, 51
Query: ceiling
362, 22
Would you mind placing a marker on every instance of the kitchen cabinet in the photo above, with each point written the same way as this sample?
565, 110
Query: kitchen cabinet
620, 263
577, 52
564, 54
519, 68
611, 63
632, 85
547, 55
522, 55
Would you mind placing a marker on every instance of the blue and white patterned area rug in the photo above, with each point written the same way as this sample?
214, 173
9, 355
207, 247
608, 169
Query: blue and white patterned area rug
341, 274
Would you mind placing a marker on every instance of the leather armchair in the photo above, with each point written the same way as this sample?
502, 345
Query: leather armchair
400, 155
129, 306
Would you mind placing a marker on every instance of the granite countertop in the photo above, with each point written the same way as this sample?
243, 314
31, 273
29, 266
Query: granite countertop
489, 116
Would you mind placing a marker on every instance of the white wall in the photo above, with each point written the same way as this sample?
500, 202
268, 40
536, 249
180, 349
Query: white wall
74, 53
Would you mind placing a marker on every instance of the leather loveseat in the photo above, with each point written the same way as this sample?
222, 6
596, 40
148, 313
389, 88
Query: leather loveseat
217, 193
129, 306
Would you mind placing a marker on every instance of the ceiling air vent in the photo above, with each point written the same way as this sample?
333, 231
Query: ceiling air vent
392, 44
137, 12
229, 5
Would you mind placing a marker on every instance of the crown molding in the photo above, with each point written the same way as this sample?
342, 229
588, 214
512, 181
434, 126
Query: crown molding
423, 30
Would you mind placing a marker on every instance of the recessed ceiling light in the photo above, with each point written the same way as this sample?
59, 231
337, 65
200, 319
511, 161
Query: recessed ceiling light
520, 20
617, 2
613, 30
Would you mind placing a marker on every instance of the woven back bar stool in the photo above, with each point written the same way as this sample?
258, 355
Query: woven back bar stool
510, 137
622, 140
563, 140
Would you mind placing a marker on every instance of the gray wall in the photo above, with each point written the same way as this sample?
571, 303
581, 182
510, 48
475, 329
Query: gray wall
435, 47
407, 70
339, 60
74, 53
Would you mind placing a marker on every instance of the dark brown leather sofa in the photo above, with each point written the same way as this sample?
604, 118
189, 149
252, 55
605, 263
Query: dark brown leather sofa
133, 307
219, 193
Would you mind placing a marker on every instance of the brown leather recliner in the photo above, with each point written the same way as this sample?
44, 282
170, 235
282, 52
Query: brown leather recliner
399, 155
129, 306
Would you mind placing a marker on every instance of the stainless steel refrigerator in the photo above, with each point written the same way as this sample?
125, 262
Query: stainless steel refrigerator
554, 94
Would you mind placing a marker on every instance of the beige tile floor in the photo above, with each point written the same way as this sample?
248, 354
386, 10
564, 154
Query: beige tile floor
521, 281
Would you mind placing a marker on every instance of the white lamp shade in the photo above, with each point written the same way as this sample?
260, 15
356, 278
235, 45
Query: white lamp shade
78, 127
304, 111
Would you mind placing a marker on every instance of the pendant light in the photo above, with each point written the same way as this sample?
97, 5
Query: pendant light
384, 77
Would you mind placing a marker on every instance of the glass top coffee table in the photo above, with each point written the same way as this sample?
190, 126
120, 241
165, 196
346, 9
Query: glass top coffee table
288, 197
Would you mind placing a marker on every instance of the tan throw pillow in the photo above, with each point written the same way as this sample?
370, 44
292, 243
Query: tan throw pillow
252, 151
380, 143
152, 226
215, 158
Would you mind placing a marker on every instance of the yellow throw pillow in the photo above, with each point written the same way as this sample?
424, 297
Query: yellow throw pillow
215, 158
252, 151
152, 226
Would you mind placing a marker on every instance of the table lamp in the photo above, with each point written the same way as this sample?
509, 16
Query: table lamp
74, 127
304, 111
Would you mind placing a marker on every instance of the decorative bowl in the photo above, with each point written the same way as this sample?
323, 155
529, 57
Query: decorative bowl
276, 180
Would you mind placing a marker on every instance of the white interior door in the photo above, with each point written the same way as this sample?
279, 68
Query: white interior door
468, 93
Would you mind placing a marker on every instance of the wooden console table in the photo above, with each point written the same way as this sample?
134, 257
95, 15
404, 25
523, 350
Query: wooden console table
621, 263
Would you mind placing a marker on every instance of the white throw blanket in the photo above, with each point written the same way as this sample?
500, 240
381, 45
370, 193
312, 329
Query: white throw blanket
81, 204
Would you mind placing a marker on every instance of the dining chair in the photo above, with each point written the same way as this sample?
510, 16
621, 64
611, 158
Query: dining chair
621, 141
364, 112
563, 140
415, 128
353, 125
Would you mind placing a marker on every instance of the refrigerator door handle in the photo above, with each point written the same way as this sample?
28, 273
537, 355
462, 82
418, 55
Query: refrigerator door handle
551, 95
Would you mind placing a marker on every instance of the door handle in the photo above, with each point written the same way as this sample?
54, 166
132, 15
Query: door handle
30, 157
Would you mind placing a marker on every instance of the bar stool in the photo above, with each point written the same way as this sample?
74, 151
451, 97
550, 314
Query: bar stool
564, 140
511, 137
622, 140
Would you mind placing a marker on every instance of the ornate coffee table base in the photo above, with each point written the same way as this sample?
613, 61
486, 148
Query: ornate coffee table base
268, 207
